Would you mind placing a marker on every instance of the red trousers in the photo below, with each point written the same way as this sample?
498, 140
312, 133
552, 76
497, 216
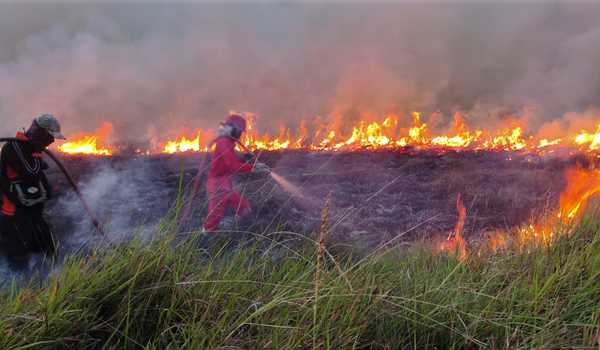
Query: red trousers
222, 196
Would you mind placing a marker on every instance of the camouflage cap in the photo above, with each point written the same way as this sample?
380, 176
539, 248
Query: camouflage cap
51, 125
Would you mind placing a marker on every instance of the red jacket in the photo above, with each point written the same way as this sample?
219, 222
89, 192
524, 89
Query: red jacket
225, 162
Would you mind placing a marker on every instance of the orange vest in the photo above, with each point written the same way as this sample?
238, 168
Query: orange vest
8, 207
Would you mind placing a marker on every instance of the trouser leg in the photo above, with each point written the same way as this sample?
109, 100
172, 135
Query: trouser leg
216, 211
42, 239
24, 234
12, 244
239, 203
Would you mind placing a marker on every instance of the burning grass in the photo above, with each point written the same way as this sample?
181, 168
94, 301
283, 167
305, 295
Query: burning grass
334, 133
170, 294
91, 144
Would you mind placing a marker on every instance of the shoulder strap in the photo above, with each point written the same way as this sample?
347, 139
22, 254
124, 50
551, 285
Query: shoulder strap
34, 166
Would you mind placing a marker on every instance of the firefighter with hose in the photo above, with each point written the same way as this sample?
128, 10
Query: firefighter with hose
24, 190
224, 203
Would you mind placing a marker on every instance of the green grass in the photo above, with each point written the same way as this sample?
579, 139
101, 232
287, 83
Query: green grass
167, 295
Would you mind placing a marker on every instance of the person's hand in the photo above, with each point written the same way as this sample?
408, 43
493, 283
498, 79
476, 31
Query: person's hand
261, 168
248, 156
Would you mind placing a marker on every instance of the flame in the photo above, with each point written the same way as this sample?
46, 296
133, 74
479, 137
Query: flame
546, 143
510, 140
455, 243
591, 140
393, 131
85, 145
582, 184
197, 141
386, 134
88, 144
498, 240
183, 144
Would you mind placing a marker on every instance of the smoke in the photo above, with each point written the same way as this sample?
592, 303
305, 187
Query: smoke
125, 197
154, 70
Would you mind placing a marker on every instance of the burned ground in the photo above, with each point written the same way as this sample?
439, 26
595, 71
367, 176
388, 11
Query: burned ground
374, 195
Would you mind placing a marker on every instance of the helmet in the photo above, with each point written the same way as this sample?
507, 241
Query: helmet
237, 121
49, 123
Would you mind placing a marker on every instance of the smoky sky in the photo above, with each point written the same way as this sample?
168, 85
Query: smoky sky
156, 69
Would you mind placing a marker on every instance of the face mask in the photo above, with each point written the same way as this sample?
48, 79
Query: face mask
39, 137
225, 130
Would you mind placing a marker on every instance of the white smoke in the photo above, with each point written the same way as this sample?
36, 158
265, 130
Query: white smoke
158, 68
124, 197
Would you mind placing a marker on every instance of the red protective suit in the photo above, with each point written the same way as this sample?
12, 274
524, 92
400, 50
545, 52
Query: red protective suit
219, 185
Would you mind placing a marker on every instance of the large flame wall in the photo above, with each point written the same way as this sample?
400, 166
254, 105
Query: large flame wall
392, 131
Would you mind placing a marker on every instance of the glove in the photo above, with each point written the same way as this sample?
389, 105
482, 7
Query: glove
261, 168
248, 156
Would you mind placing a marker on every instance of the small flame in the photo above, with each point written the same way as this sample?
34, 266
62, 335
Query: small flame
183, 144
591, 140
455, 243
88, 144
582, 184
547, 143
198, 142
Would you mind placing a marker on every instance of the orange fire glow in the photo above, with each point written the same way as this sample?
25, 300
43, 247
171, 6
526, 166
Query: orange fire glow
183, 144
90, 144
455, 243
389, 134
581, 185
333, 135
589, 140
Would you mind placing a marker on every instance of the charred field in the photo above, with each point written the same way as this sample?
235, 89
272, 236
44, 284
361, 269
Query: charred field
375, 195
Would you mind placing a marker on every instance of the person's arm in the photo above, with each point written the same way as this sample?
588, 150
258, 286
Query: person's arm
231, 160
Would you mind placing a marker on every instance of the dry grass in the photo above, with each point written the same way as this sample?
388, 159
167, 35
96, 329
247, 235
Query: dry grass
158, 296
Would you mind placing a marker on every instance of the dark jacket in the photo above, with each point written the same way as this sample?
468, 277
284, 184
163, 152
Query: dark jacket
19, 162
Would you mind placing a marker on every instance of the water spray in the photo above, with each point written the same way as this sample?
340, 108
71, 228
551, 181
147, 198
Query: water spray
292, 189
86, 207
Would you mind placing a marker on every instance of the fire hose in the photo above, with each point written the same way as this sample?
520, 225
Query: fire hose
86, 207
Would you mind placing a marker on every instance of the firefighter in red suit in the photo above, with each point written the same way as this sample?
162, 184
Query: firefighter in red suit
225, 163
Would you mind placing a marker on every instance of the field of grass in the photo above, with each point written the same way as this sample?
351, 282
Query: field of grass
269, 294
